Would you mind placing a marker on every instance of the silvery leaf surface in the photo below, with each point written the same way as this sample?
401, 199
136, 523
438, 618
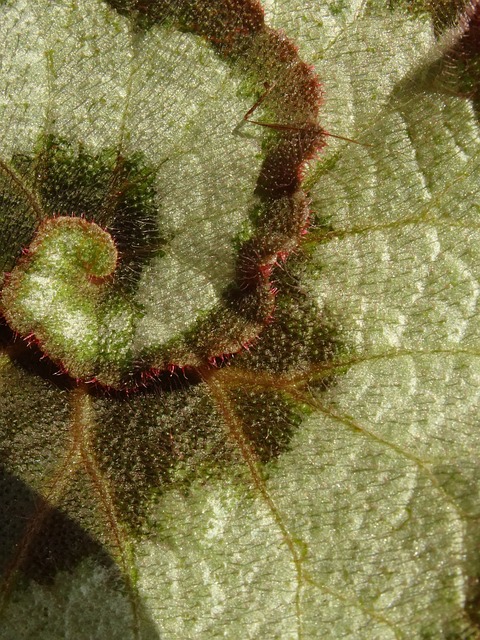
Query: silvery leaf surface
239, 363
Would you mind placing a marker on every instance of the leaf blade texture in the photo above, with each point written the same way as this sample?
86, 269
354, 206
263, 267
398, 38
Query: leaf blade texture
323, 481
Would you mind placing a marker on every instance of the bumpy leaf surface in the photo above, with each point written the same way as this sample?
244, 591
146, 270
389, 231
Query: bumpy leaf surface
239, 367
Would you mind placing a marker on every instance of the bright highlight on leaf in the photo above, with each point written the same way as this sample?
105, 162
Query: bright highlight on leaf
58, 295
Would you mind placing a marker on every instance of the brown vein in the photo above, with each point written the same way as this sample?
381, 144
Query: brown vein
235, 429
352, 424
107, 502
235, 376
54, 488
322, 235
297, 388
22, 187
229, 378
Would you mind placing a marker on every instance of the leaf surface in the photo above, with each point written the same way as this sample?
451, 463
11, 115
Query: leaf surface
322, 483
